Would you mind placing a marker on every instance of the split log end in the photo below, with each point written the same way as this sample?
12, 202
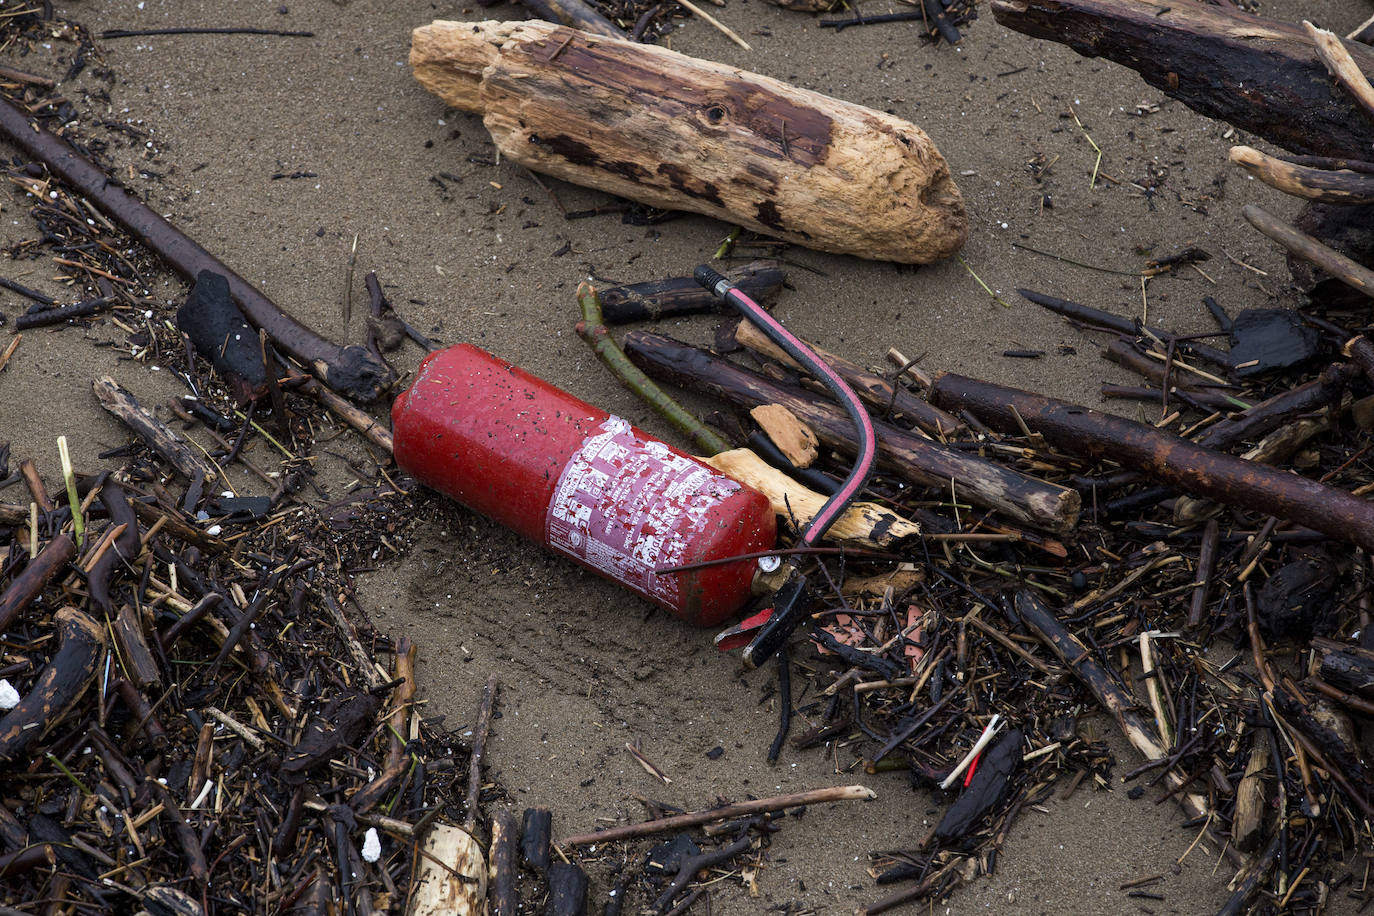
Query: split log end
449, 63
682, 133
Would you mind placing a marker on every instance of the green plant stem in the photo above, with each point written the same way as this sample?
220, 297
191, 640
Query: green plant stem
69, 476
727, 244
592, 330
987, 289
69, 774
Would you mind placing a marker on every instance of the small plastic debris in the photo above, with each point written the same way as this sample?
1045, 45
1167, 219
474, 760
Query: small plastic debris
372, 845
9, 697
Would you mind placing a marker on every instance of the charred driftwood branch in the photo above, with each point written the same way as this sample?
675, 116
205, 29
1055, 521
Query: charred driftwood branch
1082, 314
502, 868
1348, 667
353, 371
1262, 75
80, 642
1027, 500
25, 587
677, 132
655, 300
1165, 458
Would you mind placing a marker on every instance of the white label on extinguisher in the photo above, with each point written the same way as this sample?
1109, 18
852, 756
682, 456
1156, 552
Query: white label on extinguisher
626, 507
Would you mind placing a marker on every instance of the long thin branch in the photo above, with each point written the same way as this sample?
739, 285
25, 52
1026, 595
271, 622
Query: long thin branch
1349, 272
352, 371
723, 813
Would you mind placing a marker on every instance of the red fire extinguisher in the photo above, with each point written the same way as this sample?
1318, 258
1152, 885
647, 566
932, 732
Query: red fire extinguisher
581, 482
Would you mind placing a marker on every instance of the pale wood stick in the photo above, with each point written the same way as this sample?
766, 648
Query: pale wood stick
1309, 249
1332, 186
725, 812
1342, 66
863, 524
724, 29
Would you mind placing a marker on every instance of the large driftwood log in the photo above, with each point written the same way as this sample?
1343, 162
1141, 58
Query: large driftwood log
1166, 458
1261, 75
1027, 500
673, 131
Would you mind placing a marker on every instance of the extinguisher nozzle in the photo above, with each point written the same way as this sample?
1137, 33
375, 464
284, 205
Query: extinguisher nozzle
791, 605
712, 279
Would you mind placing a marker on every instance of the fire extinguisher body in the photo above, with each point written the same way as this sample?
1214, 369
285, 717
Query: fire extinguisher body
581, 482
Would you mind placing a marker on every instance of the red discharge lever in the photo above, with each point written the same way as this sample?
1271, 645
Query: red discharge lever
792, 602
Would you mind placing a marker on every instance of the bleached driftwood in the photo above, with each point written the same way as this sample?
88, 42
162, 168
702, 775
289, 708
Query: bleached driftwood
681, 133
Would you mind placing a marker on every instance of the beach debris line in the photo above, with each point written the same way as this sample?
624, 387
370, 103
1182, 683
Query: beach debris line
994, 627
677, 132
178, 740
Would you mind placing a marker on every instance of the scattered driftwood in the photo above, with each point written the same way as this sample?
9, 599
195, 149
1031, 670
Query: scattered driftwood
350, 370
1022, 498
120, 402
1262, 75
676, 132
885, 399
1113, 698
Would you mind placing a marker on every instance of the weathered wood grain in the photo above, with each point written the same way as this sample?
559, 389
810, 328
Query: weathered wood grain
681, 133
